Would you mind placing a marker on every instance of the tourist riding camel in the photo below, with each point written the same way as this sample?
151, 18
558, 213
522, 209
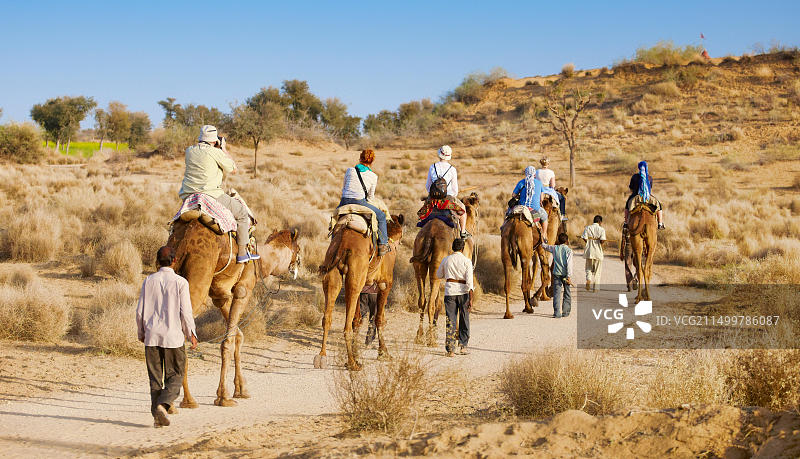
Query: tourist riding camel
641, 186
442, 188
207, 164
548, 179
529, 193
359, 188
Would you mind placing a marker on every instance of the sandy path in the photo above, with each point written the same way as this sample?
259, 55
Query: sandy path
281, 378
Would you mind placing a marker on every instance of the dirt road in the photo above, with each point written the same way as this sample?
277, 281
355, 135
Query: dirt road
106, 420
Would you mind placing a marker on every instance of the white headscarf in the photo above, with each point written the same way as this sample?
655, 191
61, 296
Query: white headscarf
530, 176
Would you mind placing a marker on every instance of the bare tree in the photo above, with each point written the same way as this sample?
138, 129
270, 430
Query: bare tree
563, 109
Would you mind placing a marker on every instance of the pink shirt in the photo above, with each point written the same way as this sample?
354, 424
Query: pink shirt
164, 313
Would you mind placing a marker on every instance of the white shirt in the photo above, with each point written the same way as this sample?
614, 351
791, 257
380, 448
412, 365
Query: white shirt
545, 175
593, 234
352, 188
164, 313
440, 169
456, 266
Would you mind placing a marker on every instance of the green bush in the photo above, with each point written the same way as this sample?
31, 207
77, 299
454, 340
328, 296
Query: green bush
173, 140
21, 142
666, 53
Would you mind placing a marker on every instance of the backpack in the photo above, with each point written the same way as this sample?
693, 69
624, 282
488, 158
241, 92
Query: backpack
439, 186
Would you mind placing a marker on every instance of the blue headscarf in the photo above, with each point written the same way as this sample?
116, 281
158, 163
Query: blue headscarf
644, 187
530, 176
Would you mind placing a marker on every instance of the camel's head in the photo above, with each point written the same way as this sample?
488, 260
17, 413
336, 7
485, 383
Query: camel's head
286, 242
562, 190
471, 202
395, 227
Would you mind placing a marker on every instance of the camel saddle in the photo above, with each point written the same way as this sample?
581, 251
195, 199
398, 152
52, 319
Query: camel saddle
525, 213
356, 217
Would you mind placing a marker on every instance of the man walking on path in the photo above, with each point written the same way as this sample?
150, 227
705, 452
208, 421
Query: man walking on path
562, 275
456, 269
594, 235
164, 321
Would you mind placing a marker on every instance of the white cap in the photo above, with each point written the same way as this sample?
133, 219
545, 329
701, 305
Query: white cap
445, 153
208, 133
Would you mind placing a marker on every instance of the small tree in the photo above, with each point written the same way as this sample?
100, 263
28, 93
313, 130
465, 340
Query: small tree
140, 128
101, 125
562, 110
75, 111
50, 117
119, 122
257, 121
339, 123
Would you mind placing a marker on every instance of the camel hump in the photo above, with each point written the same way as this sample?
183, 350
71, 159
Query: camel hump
204, 219
523, 213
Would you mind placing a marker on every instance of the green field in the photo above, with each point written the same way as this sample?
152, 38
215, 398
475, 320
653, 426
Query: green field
87, 149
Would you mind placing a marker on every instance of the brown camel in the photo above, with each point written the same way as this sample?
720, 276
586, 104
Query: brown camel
351, 260
644, 240
518, 241
208, 262
434, 242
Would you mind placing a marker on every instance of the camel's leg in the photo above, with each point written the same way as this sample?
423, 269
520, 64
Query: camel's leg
542, 294
507, 287
526, 261
648, 265
232, 311
353, 283
198, 291
239, 389
420, 272
380, 320
433, 308
636, 242
331, 285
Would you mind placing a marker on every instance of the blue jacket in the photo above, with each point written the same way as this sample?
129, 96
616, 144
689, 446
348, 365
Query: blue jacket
534, 201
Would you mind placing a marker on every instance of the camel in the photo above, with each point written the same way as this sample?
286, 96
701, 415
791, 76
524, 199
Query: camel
520, 241
434, 242
351, 260
208, 262
643, 232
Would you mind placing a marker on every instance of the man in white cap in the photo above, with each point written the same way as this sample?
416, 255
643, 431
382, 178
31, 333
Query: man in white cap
207, 163
443, 173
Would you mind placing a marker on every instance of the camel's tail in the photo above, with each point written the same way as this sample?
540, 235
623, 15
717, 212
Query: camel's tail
335, 258
513, 250
180, 253
425, 253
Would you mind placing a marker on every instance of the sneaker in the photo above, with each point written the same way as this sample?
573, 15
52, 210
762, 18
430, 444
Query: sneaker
564, 218
160, 418
661, 226
383, 249
465, 235
247, 257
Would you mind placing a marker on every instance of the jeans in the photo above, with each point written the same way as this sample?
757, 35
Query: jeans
562, 204
383, 234
457, 320
165, 367
560, 287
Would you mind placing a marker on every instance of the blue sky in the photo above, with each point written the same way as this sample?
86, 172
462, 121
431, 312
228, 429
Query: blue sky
372, 55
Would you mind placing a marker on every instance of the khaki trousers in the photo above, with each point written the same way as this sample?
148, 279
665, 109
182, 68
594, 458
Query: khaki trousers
593, 269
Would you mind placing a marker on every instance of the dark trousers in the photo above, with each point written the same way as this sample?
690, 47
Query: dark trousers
562, 204
383, 234
368, 303
457, 320
560, 288
165, 367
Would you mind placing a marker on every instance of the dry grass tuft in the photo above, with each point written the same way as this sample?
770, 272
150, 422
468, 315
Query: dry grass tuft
20, 276
666, 89
122, 261
696, 378
489, 267
111, 329
764, 72
555, 380
33, 313
33, 236
383, 396
568, 70
768, 378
